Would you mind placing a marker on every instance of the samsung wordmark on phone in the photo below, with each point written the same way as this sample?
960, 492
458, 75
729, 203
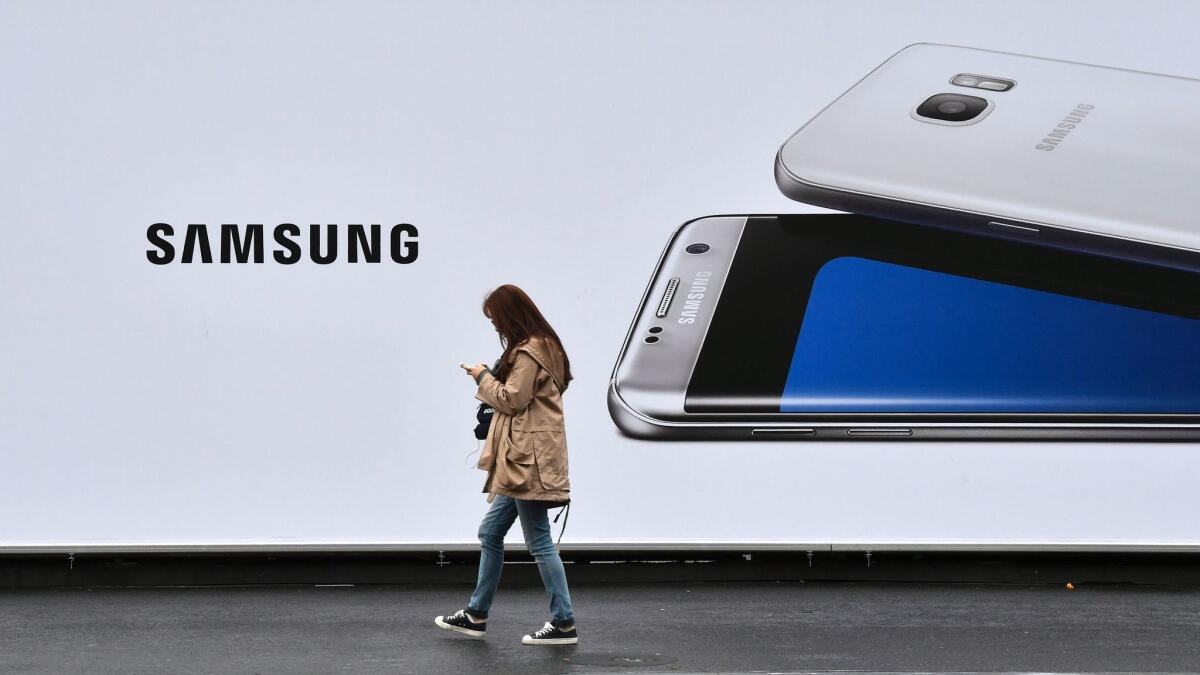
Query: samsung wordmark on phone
1059, 133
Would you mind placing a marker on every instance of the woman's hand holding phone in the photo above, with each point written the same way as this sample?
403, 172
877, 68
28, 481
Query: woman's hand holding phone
473, 371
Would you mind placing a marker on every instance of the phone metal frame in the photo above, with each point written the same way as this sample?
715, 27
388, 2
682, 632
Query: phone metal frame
646, 396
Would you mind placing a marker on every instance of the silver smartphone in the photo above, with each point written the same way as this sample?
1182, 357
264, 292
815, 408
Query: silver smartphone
840, 326
1066, 154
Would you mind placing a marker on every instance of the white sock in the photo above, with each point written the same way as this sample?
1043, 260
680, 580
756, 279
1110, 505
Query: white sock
475, 619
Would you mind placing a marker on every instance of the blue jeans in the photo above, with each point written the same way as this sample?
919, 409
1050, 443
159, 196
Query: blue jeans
536, 526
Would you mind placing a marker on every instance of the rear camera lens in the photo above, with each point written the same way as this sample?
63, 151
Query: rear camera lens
656, 329
697, 249
952, 107
652, 339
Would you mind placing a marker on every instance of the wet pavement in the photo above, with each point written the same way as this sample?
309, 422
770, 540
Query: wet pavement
663, 627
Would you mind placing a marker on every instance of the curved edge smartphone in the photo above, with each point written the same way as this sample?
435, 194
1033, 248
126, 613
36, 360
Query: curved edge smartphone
1063, 154
649, 383
713, 351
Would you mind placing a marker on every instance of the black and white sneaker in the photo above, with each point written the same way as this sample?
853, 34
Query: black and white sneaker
552, 635
460, 622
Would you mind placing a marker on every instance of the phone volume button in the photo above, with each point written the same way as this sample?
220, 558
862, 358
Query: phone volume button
883, 432
783, 432
1018, 229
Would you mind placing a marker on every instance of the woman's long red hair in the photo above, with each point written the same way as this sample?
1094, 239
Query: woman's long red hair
518, 319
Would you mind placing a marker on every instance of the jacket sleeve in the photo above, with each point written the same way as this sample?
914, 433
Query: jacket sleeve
513, 395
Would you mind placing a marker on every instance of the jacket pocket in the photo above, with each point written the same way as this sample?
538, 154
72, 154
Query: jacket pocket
515, 465
550, 455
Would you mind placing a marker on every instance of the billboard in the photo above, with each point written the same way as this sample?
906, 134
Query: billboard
363, 178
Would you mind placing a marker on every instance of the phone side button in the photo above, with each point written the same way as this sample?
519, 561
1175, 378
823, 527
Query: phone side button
783, 433
1017, 229
879, 433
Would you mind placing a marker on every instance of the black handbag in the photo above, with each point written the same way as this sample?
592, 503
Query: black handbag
483, 415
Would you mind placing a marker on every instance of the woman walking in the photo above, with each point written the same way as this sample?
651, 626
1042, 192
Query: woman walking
525, 456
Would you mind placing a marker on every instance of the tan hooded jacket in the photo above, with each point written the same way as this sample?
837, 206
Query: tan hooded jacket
525, 453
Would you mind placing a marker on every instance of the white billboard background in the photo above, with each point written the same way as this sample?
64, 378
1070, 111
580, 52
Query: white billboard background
554, 146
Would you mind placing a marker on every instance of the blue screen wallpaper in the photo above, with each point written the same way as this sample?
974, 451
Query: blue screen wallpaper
881, 337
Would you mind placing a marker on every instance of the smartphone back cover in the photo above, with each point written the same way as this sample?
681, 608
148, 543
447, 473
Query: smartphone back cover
1129, 168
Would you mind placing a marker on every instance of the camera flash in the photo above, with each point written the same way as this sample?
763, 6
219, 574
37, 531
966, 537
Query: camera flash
982, 82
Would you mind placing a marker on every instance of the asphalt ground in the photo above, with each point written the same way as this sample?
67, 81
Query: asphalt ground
660, 627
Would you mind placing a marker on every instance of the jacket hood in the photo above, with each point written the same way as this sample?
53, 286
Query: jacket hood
549, 356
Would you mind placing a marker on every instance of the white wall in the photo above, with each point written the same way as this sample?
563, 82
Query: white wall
552, 146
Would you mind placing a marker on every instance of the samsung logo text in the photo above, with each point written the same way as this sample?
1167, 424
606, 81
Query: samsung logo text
1060, 131
691, 301
247, 243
